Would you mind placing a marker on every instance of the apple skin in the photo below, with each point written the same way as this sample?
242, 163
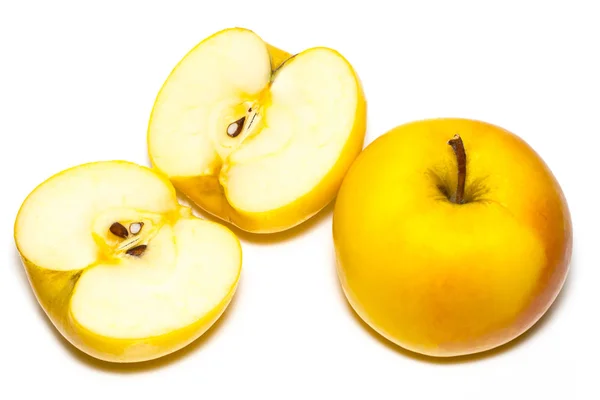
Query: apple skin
54, 290
444, 279
207, 193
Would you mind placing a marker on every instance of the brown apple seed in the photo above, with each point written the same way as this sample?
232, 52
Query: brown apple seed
137, 250
118, 230
235, 128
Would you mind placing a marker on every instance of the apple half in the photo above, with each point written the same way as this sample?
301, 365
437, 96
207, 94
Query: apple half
254, 135
122, 270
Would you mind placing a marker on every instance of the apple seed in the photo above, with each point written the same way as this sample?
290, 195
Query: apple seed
136, 227
235, 128
118, 230
137, 250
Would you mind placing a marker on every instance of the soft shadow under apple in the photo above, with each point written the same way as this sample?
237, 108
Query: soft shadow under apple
124, 367
515, 343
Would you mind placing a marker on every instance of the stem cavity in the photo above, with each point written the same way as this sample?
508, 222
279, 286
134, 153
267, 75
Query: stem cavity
461, 159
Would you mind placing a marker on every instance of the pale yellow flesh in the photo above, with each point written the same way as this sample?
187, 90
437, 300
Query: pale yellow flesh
202, 97
105, 301
299, 121
311, 116
55, 224
189, 270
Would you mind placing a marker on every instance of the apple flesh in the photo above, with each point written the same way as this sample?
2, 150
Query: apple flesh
123, 271
255, 136
442, 273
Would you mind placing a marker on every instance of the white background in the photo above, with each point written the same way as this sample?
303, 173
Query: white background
77, 83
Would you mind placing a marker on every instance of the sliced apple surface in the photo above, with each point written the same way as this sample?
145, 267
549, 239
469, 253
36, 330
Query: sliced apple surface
124, 272
255, 136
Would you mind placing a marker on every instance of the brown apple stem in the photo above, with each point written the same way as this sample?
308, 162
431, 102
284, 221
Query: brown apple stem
461, 159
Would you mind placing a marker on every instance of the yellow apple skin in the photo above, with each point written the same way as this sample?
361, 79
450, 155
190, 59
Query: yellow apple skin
54, 290
445, 279
208, 194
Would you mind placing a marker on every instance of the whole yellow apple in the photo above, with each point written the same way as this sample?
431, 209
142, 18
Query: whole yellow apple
452, 236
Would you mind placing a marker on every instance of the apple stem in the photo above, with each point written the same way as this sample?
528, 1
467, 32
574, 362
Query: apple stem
461, 159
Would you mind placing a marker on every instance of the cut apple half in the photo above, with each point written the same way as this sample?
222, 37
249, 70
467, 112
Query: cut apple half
255, 136
124, 272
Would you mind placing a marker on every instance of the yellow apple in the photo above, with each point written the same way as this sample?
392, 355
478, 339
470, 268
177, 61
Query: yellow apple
122, 270
254, 135
452, 236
